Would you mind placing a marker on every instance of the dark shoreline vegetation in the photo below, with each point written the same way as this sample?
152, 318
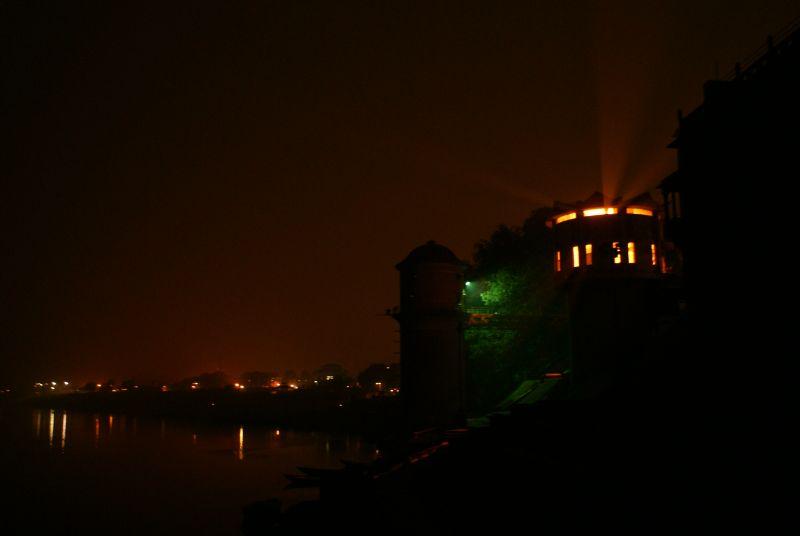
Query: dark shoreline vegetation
302, 410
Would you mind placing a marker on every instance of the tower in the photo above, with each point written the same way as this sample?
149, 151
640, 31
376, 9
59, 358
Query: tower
431, 337
608, 258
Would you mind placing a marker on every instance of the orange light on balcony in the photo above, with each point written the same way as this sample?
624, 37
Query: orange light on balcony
653, 256
639, 211
588, 250
566, 217
601, 211
617, 253
631, 253
558, 261
576, 256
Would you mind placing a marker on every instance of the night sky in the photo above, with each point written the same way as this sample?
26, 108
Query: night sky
206, 186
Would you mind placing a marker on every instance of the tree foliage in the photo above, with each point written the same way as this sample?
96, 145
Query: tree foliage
512, 278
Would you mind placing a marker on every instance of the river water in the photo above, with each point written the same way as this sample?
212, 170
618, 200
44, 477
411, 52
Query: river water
65, 472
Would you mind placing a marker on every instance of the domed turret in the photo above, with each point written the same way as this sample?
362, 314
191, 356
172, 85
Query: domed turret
431, 337
429, 252
431, 279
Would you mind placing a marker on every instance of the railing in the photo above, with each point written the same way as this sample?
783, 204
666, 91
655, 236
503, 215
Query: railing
775, 45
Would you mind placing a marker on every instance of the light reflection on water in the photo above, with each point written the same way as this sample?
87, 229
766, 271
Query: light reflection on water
63, 431
57, 435
50, 426
190, 475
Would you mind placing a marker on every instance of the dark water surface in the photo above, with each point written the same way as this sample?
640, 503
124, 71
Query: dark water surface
64, 472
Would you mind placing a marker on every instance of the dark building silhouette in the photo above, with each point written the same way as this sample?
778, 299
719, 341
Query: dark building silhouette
734, 252
380, 379
431, 337
608, 258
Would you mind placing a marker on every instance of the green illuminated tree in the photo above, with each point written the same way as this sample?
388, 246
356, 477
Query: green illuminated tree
512, 278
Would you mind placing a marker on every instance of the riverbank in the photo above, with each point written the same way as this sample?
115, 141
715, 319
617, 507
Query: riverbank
559, 465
